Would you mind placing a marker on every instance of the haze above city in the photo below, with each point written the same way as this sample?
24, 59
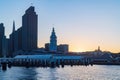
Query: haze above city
83, 24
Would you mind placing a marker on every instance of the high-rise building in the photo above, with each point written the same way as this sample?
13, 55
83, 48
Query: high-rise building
1, 37
53, 41
19, 39
63, 48
29, 29
4, 46
12, 41
15, 41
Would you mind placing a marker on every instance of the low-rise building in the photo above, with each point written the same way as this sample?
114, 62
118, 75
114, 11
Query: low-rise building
63, 48
47, 46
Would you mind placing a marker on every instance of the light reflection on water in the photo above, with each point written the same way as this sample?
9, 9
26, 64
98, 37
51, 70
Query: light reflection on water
96, 72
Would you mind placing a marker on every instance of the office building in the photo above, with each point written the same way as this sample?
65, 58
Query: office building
47, 46
1, 36
29, 29
4, 46
12, 41
63, 48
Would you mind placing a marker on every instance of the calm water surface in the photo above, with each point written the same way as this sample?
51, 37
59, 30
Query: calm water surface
96, 72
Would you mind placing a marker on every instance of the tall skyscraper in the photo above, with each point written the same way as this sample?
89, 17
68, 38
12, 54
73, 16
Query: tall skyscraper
1, 37
29, 29
19, 39
53, 41
13, 37
12, 40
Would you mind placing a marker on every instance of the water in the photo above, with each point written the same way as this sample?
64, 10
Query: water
96, 72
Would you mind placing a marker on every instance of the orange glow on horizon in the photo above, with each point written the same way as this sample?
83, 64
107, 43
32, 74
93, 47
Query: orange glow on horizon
87, 47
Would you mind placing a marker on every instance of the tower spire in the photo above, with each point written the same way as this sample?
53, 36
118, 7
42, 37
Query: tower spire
98, 48
13, 26
53, 33
53, 30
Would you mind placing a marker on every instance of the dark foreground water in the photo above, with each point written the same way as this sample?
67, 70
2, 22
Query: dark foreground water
96, 72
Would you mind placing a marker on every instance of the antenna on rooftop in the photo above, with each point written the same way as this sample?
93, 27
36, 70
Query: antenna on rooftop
31, 4
53, 25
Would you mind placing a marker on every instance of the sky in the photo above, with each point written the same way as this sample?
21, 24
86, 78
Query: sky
83, 24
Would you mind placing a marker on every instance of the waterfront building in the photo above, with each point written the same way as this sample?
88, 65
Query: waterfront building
1, 36
47, 45
63, 48
4, 46
53, 41
29, 29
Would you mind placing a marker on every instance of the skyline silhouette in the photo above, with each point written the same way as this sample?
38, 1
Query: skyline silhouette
84, 25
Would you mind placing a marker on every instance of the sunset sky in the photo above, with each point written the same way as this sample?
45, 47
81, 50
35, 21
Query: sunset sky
83, 24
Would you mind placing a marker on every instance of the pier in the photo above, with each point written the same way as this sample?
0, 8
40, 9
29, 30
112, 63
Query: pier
43, 61
53, 60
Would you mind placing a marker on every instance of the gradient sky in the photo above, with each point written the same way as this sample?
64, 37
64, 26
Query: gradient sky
83, 24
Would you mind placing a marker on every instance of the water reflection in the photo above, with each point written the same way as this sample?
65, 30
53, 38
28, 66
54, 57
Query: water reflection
96, 72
